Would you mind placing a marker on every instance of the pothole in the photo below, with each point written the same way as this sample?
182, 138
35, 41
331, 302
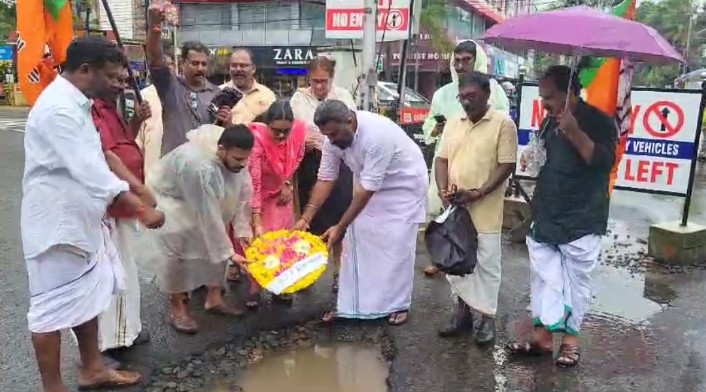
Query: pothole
346, 358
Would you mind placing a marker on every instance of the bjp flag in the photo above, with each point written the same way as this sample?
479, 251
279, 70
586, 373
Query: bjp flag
608, 83
45, 30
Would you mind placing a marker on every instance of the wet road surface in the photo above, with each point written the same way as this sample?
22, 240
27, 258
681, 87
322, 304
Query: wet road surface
645, 331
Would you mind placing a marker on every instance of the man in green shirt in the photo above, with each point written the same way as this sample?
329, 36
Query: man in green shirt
569, 213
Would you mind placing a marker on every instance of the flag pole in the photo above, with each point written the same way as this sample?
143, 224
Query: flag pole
88, 19
109, 14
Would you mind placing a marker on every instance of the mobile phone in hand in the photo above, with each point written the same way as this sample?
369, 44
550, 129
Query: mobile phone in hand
440, 119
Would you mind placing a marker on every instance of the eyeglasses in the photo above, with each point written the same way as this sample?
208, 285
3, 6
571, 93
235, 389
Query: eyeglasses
314, 82
281, 132
240, 65
467, 97
464, 60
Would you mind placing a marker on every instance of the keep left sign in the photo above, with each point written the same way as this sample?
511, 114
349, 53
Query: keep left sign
661, 140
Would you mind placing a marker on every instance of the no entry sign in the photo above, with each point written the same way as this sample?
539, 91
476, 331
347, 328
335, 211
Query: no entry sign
661, 140
344, 19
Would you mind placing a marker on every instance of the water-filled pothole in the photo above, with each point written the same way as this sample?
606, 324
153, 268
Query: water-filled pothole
311, 357
336, 367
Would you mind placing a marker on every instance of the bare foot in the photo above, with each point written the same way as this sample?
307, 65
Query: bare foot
224, 309
109, 379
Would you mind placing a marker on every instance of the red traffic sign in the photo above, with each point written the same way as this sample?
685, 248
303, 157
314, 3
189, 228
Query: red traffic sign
670, 118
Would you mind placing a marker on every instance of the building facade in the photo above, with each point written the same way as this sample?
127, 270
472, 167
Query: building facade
427, 69
284, 35
275, 29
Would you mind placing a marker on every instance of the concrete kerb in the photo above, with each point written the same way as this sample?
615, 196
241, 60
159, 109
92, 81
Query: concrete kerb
14, 109
672, 243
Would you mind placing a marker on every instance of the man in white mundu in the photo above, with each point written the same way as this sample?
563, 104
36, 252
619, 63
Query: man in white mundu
381, 224
72, 264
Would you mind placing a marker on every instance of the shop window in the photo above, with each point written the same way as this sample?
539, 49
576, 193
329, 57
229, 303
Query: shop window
214, 16
312, 15
269, 15
479, 25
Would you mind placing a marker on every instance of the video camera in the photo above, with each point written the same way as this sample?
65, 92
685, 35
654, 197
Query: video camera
227, 97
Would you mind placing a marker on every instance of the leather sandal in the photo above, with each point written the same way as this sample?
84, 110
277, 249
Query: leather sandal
184, 324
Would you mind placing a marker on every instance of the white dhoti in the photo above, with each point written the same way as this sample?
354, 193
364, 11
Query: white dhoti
70, 287
560, 282
480, 289
377, 268
120, 324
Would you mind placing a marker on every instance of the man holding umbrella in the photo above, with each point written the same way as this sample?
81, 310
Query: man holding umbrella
569, 213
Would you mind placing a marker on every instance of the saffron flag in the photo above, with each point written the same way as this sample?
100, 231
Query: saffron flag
45, 30
608, 83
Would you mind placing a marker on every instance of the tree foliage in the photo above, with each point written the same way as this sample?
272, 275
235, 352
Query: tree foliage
433, 19
8, 19
671, 19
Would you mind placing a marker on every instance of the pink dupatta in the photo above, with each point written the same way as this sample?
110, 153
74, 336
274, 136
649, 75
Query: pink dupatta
284, 158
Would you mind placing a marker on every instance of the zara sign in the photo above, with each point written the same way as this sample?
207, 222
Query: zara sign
292, 56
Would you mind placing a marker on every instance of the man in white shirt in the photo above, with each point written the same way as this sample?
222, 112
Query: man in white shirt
72, 264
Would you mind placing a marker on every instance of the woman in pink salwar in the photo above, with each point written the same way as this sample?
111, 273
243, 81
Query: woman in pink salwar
276, 155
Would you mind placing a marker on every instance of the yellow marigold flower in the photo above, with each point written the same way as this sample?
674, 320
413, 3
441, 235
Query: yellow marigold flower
276, 251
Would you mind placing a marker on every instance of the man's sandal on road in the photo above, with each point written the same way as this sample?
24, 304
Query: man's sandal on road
569, 356
329, 316
224, 309
431, 271
528, 348
398, 318
111, 379
184, 324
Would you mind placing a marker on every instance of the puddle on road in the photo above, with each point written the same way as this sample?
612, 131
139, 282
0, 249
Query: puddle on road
335, 368
619, 294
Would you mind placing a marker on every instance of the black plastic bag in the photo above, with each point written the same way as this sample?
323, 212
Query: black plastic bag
452, 242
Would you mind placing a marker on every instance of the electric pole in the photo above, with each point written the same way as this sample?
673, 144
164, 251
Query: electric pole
369, 66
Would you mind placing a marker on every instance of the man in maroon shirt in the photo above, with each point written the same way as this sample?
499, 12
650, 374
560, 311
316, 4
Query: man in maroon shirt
120, 325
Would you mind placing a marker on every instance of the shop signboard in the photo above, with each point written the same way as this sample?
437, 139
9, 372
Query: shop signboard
661, 140
289, 56
6, 52
344, 19
275, 56
409, 116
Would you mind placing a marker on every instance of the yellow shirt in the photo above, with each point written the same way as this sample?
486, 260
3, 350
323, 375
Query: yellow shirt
254, 102
473, 152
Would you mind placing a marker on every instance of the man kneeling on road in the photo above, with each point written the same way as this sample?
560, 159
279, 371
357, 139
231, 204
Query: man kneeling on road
201, 187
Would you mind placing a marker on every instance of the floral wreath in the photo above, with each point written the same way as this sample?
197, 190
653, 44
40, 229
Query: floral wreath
286, 261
